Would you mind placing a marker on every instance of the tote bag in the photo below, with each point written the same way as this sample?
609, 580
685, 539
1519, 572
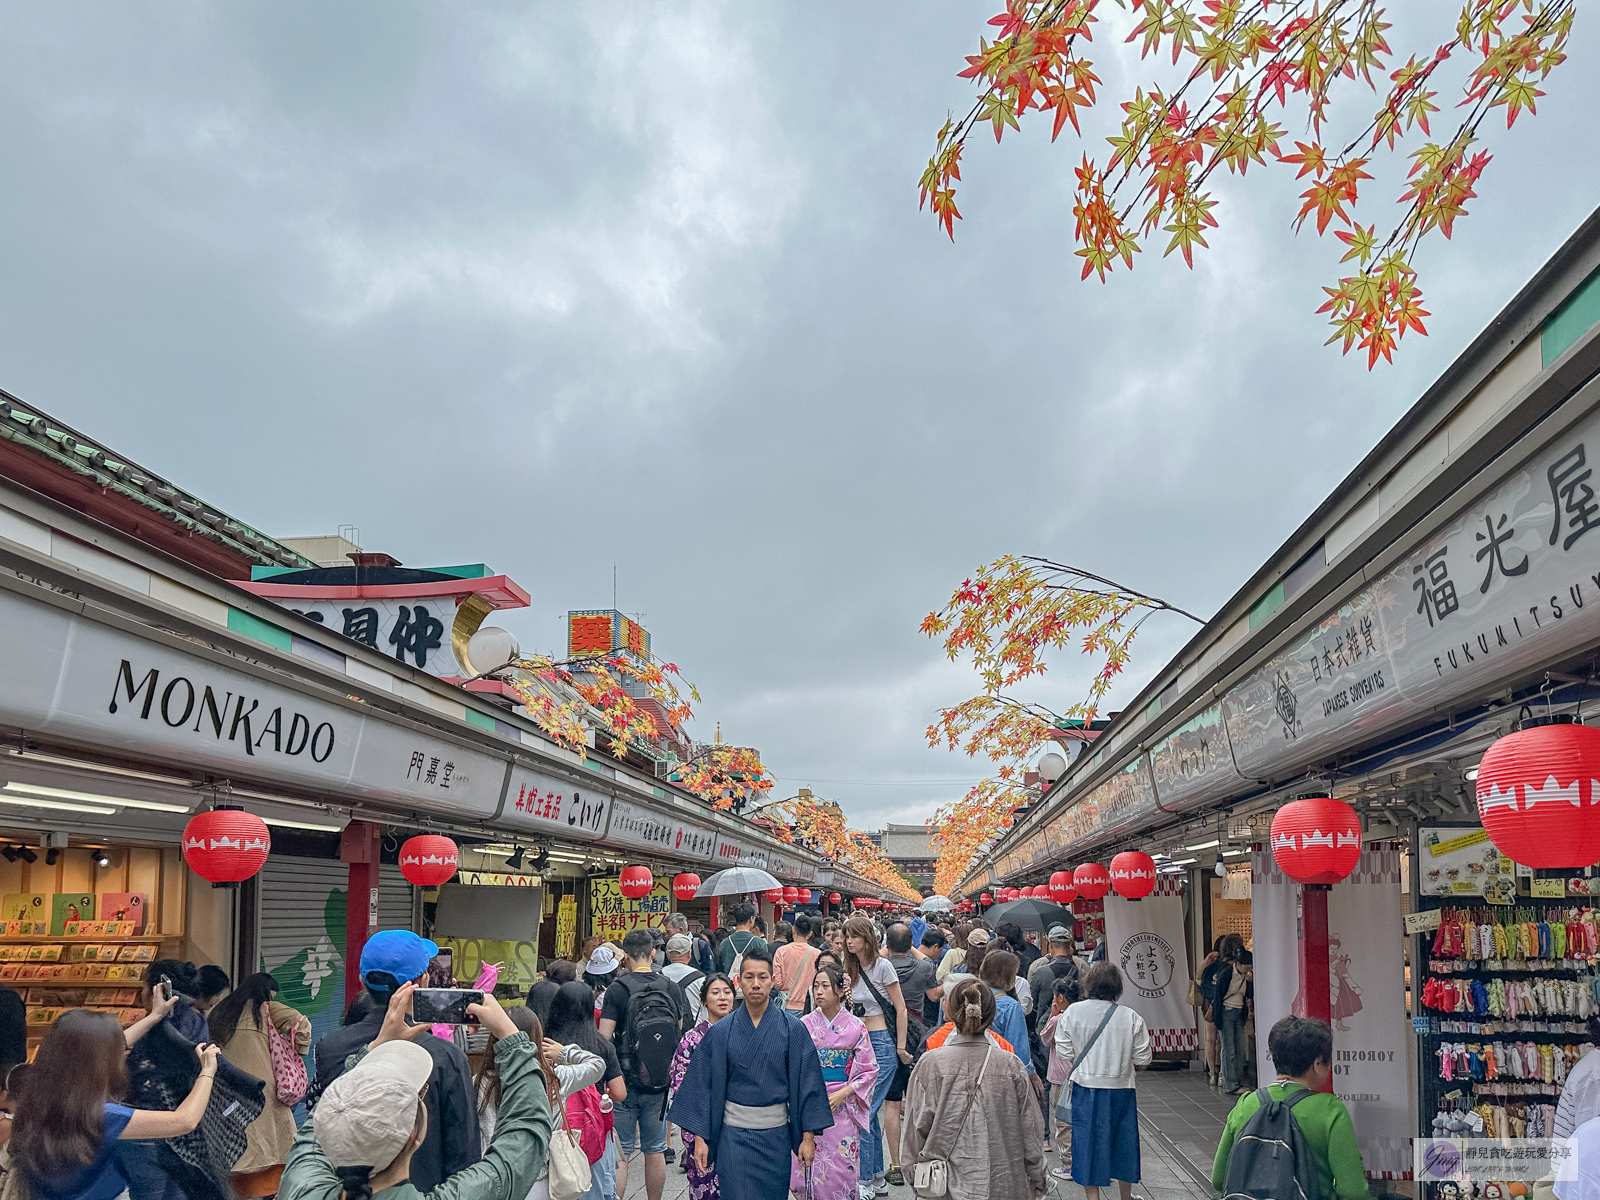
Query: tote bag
288, 1068
569, 1165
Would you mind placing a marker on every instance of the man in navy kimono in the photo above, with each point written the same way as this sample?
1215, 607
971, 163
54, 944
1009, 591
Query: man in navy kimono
754, 1093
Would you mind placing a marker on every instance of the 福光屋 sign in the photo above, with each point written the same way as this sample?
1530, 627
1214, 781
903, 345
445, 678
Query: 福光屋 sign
613, 915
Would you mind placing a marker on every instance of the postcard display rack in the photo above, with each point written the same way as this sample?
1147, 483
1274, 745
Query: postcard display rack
76, 950
1512, 976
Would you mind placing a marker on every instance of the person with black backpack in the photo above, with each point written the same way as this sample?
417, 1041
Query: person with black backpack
1294, 1112
643, 1016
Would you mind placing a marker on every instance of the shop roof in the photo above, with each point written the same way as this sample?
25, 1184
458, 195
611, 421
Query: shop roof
49, 456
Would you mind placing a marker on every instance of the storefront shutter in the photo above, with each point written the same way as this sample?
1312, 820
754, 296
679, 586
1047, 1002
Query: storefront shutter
302, 930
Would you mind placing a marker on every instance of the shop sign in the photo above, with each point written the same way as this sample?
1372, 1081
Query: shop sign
739, 854
1334, 683
634, 825
546, 804
1460, 862
566, 926
1423, 922
71, 676
519, 961
1508, 584
496, 879
613, 915
795, 870
1194, 763
414, 630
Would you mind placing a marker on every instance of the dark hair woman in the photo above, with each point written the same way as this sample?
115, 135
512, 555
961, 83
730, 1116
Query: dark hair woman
1106, 1041
1233, 989
1007, 1161
875, 993
571, 1023
541, 994
211, 985
243, 1025
1210, 1046
66, 1135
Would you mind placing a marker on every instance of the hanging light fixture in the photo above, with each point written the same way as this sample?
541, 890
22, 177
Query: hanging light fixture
1062, 889
1092, 881
429, 859
635, 882
1133, 874
1537, 795
1316, 839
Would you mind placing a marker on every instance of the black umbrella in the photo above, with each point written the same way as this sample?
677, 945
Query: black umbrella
1038, 915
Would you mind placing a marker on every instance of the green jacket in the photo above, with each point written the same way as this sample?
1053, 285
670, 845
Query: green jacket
513, 1160
1329, 1133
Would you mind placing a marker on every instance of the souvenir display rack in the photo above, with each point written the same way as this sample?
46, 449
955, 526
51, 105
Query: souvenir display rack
98, 965
1502, 1014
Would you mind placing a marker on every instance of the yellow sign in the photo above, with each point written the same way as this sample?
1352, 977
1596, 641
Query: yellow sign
1458, 843
1547, 889
612, 915
566, 926
519, 961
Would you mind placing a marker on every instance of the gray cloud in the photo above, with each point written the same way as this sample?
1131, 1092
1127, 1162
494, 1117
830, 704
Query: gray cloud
564, 287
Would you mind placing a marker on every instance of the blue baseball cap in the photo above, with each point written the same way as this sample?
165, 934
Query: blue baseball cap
395, 952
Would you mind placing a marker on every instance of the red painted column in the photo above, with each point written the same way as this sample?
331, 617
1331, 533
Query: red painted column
358, 847
1315, 984
714, 907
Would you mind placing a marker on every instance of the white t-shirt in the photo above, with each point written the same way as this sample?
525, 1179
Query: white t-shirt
883, 975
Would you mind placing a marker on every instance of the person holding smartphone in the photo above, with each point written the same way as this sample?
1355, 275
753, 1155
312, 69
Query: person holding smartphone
391, 958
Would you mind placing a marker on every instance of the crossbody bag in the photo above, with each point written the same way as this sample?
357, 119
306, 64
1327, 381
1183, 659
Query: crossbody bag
1078, 1058
916, 1035
930, 1178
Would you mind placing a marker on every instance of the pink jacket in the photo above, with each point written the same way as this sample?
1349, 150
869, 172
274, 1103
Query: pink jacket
1059, 1069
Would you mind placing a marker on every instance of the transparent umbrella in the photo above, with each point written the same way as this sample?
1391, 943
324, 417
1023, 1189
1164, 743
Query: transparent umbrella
735, 881
937, 904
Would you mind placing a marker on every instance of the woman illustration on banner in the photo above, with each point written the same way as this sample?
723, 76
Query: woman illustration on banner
1346, 995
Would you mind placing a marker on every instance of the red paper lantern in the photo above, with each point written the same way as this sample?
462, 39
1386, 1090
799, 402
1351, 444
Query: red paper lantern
775, 895
834, 898
429, 859
635, 882
1537, 796
985, 899
1133, 874
805, 895
1062, 890
1092, 881
791, 895
1014, 894
1317, 839
226, 845
685, 886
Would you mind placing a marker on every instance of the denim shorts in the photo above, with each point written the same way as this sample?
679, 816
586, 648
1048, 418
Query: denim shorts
642, 1118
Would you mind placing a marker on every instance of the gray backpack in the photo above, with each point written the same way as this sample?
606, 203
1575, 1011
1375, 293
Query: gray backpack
1271, 1160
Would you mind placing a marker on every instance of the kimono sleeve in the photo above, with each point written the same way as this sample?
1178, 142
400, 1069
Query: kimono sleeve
809, 1110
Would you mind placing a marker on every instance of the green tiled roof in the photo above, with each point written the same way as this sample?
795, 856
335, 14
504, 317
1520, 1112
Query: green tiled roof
47, 437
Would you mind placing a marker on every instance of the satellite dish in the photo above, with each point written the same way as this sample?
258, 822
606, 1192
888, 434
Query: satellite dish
1051, 766
490, 649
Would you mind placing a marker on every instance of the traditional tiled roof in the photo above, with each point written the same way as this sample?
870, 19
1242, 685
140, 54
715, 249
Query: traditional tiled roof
51, 457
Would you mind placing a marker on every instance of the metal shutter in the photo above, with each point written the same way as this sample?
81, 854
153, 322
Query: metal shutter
294, 901
394, 900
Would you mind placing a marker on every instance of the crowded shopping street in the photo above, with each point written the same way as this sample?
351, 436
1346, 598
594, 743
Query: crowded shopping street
709, 601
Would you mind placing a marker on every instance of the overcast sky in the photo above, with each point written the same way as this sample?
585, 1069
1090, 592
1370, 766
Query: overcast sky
569, 287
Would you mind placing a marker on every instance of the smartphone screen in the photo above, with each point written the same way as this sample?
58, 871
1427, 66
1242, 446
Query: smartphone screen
166, 987
443, 1006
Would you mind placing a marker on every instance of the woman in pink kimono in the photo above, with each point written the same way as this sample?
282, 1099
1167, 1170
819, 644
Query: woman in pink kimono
849, 1068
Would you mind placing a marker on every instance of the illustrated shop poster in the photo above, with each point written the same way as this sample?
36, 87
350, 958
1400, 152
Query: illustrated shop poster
1371, 1032
1462, 861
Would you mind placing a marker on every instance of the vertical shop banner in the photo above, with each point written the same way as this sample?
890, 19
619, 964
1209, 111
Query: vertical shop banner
1145, 938
1371, 1034
612, 915
566, 926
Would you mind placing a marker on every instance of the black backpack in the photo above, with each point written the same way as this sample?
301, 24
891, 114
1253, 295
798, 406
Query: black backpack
651, 1033
1271, 1160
